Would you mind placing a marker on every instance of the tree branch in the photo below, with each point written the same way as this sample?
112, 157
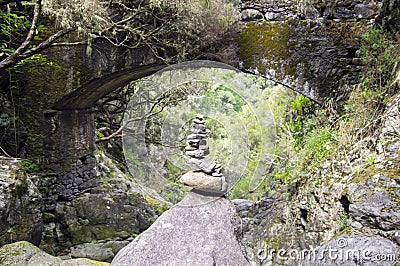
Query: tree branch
69, 43
22, 53
46, 44
15, 56
147, 116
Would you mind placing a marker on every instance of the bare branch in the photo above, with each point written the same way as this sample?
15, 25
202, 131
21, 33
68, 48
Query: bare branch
6, 154
69, 43
150, 114
46, 44
116, 133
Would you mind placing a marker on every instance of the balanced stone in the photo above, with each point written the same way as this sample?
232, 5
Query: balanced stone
195, 163
199, 116
198, 121
199, 129
216, 174
194, 142
202, 181
197, 136
203, 144
190, 148
196, 153
207, 168
202, 164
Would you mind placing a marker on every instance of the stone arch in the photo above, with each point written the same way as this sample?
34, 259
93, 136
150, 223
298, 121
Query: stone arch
85, 96
75, 118
76, 135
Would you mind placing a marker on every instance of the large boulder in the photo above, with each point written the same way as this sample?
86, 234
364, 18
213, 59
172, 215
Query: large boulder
25, 253
202, 229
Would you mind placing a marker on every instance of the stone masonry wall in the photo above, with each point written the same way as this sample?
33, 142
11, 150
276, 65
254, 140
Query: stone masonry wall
310, 45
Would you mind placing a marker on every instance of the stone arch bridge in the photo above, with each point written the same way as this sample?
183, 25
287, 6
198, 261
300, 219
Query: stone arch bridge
311, 48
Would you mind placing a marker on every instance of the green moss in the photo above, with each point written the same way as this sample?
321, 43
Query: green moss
78, 233
82, 234
35, 89
264, 41
158, 205
372, 170
20, 187
104, 231
95, 262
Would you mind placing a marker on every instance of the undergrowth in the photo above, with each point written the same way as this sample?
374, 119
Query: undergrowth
312, 133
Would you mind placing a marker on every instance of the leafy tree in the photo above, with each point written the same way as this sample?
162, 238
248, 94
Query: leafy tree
171, 29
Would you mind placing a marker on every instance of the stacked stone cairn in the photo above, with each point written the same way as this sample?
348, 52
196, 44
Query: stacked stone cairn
204, 175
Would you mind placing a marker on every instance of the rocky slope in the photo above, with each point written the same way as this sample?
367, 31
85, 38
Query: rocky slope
350, 205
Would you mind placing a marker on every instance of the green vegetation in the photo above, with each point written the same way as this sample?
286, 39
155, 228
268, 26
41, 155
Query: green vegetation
343, 221
381, 56
230, 98
29, 166
170, 30
304, 141
360, 116
312, 133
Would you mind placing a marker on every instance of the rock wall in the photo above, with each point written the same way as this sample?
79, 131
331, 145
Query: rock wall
390, 17
311, 46
74, 204
90, 211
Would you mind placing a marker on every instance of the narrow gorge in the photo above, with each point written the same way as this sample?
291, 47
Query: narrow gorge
98, 104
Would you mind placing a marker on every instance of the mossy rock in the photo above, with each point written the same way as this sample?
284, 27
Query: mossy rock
159, 205
82, 262
20, 211
25, 253
264, 40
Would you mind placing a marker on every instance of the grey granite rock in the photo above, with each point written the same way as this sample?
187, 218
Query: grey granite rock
201, 230
25, 253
